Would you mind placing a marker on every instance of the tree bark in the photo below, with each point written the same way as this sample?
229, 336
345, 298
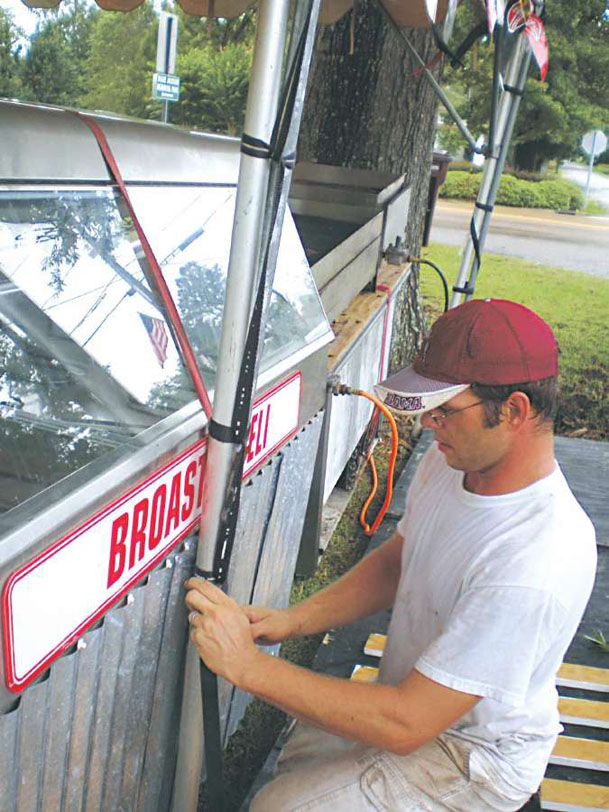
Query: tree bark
368, 107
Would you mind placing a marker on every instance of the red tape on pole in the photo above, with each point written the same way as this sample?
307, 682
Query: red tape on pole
171, 310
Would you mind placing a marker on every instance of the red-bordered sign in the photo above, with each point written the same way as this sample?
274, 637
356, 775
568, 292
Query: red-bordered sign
275, 418
52, 600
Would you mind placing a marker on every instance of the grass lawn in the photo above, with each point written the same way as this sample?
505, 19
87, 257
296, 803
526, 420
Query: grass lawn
576, 305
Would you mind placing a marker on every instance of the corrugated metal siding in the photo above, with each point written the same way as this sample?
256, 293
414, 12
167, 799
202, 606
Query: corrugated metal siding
95, 733
293, 472
100, 731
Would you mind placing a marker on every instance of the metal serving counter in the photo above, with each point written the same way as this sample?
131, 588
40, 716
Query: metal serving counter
102, 442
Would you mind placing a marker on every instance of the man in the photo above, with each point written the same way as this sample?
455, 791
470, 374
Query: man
488, 574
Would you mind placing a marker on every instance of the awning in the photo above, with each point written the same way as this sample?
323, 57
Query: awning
406, 13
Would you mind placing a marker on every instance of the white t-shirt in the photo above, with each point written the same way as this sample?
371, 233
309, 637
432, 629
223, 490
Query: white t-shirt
491, 592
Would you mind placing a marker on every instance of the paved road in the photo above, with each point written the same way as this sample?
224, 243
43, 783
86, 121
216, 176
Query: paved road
575, 242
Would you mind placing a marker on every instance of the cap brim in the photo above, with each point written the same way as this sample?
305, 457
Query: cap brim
407, 392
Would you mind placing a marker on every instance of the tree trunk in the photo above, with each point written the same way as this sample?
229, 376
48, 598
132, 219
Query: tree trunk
368, 108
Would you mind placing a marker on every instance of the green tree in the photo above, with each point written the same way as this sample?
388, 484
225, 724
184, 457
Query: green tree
574, 98
214, 58
197, 32
214, 87
11, 85
120, 63
54, 67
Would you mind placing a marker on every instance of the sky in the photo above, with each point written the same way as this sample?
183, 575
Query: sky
24, 17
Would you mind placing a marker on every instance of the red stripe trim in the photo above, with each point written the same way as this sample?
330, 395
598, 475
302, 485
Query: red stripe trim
172, 311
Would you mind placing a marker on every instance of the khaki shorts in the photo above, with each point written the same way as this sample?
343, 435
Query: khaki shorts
317, 771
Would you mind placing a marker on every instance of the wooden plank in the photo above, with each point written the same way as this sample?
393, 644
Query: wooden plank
354, 320
568, 796
583, 676
364, 673
583, 712
589, 754
375, 644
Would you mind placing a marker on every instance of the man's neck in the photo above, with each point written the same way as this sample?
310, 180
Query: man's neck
520, 467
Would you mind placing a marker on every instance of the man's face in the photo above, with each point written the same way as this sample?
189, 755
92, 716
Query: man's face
462, 436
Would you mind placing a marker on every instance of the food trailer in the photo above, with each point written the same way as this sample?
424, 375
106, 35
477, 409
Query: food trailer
103, 438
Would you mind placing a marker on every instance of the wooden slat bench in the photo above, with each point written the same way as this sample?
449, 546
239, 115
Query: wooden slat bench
569, 751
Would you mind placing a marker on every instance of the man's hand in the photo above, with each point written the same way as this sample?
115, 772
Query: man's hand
269, 626
220, 630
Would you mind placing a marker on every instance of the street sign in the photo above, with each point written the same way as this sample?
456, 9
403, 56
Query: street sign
167, 43
166, 87
165, 84
594, 143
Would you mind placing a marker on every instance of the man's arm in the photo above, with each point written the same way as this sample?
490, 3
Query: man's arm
365, 589
399, 718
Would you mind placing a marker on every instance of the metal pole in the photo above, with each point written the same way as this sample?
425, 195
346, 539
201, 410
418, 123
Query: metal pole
431, 80
261, 111
493, 167
165, 118
590, 165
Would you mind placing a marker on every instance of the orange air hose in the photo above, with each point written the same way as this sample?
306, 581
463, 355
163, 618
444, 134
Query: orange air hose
371, 530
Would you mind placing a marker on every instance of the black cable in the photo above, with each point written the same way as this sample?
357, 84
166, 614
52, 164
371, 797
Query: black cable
440, 274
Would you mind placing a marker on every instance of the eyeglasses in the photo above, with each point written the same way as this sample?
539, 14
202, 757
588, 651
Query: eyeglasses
444, 414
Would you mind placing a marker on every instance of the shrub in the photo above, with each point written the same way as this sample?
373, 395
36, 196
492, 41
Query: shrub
515, 192
461, 185
561, 194
463, 166
526, 174
545, 194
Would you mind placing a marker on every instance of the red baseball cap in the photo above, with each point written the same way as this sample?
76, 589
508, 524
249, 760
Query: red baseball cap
491, 341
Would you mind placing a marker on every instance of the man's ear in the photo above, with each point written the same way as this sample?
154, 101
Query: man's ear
517, 410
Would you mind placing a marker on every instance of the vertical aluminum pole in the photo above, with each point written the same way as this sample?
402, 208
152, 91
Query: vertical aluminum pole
261, 111
493, 166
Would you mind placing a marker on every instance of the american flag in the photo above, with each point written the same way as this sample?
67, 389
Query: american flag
157, 335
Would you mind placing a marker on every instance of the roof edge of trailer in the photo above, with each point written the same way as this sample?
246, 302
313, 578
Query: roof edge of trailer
54, 144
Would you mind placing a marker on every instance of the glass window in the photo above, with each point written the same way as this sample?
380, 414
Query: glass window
189, 229
84, 350
87, 361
